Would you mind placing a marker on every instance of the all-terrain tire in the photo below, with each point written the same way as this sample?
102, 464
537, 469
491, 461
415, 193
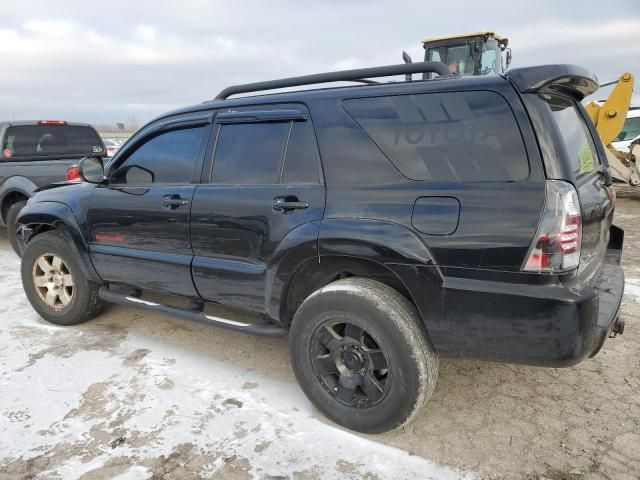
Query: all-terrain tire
390, 324
12, 213
84, 303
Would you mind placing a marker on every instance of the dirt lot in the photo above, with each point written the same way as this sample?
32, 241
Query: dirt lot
133, 395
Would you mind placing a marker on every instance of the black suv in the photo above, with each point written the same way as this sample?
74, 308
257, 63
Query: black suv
379, 225
36, 153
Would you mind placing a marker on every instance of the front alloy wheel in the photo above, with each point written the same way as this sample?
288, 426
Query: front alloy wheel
53, 281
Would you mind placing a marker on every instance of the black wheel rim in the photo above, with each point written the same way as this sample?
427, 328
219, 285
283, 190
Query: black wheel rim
350, 364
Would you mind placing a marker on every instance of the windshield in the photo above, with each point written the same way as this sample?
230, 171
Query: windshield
460, 60
457, 58
630, 130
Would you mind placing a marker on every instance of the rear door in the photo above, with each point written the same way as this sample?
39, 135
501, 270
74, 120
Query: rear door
262, 182
139, 221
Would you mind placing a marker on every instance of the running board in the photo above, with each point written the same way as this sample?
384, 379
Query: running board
129, 300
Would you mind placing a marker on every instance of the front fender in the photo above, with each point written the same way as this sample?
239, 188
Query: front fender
55, 215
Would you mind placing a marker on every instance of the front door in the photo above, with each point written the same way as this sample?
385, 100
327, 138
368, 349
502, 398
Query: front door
139, 220
262, 186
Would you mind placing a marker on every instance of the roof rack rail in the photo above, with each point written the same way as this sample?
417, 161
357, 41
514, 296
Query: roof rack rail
356, 75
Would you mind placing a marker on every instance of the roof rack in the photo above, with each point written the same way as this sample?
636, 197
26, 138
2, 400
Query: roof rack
357, 75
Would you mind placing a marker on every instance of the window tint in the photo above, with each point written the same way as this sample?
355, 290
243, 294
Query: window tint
301, 160
167, 158
250, 153
448, 137
44, 140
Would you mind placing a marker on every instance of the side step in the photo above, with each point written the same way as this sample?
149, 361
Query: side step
134, 301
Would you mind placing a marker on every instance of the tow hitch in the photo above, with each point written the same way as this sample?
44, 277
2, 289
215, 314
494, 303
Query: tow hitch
617, 329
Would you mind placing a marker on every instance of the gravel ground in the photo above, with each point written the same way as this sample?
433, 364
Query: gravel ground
134, 395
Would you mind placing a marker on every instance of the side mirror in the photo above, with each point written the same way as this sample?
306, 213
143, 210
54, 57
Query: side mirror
91, 169
508, 58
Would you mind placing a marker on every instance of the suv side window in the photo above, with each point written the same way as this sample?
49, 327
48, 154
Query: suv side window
445, 137
301, 160
250, 153
266, 153
169, 157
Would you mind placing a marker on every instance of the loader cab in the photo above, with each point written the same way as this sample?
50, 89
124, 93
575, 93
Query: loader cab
481, 53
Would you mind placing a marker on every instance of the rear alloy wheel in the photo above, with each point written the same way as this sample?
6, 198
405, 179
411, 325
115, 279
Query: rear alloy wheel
351, 365
361, 355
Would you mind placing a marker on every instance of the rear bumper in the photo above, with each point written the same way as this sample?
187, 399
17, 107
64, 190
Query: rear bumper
549, 325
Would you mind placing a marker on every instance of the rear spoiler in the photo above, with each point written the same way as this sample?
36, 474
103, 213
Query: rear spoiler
571, 80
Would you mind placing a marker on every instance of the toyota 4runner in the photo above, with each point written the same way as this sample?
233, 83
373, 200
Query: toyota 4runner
380, 226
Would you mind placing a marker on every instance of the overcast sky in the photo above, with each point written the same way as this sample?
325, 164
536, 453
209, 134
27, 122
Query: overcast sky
108, 61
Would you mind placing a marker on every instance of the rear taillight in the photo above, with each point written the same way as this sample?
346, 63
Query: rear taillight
556, 245
72, 173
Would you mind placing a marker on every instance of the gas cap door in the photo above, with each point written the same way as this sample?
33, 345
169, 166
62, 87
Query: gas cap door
436, 215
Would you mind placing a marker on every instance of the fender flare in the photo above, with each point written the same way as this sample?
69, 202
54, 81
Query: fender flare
16, 184
59, 216
392, 247
297, 247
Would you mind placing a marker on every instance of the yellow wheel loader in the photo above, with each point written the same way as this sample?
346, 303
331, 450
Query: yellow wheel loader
487, 53
609, 118
478, 53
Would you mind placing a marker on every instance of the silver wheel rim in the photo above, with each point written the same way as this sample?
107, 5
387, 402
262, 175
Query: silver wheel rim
53, 281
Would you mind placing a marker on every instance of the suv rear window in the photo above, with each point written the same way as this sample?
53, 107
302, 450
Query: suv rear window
28, 141
446, 137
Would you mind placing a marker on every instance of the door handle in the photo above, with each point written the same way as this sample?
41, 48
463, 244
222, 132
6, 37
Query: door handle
288, 203
173, 201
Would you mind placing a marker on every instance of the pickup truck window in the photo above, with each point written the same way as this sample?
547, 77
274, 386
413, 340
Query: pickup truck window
445, 137
166, 158
33, 141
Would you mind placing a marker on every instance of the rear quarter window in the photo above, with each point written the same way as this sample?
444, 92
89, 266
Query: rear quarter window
32, 141
445, 137
576, 139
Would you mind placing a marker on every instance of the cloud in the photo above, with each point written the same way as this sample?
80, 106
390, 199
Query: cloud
76, 61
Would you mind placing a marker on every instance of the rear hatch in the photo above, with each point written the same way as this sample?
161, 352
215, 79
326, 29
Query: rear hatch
573, 153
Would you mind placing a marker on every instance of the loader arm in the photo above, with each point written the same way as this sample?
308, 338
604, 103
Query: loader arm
609, 119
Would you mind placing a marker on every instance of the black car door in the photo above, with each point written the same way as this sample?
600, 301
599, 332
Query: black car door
263, 182
139, 220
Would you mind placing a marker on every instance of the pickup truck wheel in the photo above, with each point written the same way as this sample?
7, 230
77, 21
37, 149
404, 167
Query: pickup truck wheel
361, 355
54, 283
12, 213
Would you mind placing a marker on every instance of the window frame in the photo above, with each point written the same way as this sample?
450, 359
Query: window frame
153, 131
263, 113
